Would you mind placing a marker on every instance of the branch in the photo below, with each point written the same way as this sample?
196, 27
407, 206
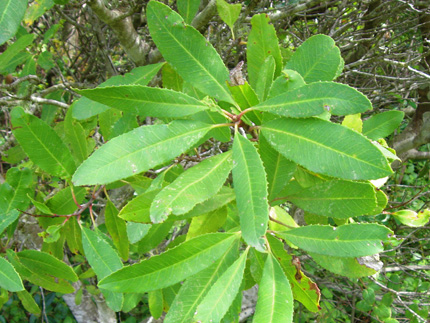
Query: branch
135, 47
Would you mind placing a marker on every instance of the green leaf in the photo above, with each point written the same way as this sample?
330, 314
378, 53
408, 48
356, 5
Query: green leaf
412, 218
45, 263
262, 43
63, 203
39, 278
229, 13
279, 214
11, 14
14, 191
245, 97
9, 278
250, 186
12, 53
336, 198
72, 232
137, 210
104, 260
138, 151
171, 79
349, 240
117, 229
353, 157
382, 125
220, 296
279, 170
188, 51
313, 99
353, 122
317, 59
207, 223
156, 234
188, 9
223, 197
155, 303
37, 9
265, 80
145, 101
42, 144
84, 108
192, 187
28, 302
76, 137
196, 287
275, 298
304, 289
348, 267
172, 266
136, 231
6, 219
288, 81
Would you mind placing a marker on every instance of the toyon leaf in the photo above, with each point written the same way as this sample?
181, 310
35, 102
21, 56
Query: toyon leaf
183, 47
145, 101
85, 108
313, 99
138, 151
349, 240
172, 266
12, 13
228, 12
188, 9
192, 187
250, 186
275, 299
338, 199
9, 278
42, 144
317, 59
219, 298
262, 43
412, 218
117, 229
137, 210
196, 287
28, 302
382, 125
354, 157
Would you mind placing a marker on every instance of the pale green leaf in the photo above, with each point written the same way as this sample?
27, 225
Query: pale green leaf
313, 99
229, 13
172, 266
37, 9
336, 198
250, 186
45, 263
279, 170
188, 51
288, 81
282, 218
348, 267
42, 144
196, 287
220, 296
84, 108
353, 122
117, 229
139, 150
412, 218
28, 302
382, 125
188, 9
349, 240
192, 187
9, 278
262, 43
317, 59
354, 157
137, 210
100, 254
6, 219
11, 14
155, 303
145, 101
304, 289
265, 80
275, 299
136, 231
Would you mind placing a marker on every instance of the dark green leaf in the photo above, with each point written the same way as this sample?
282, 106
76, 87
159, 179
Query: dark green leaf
12, 12
382, 125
